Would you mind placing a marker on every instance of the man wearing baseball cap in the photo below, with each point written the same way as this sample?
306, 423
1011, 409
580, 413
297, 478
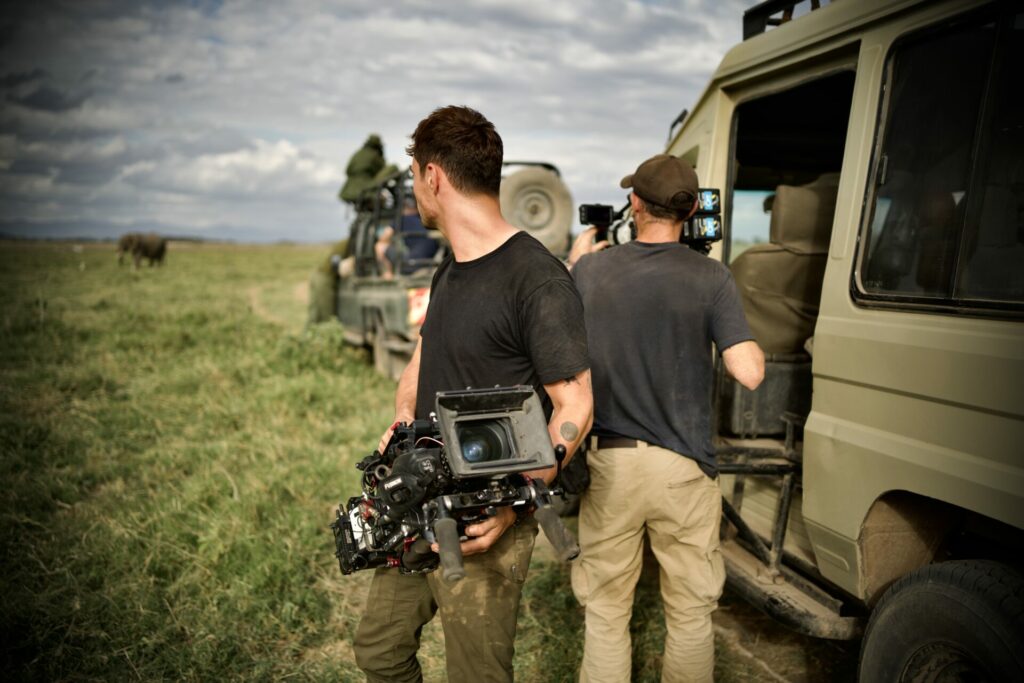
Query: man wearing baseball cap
653, 307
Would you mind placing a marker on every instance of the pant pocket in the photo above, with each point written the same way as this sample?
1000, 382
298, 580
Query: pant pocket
682, 472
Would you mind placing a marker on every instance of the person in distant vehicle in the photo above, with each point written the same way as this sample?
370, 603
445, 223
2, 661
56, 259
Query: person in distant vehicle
653, 307
362, 169
503, 311
419, 245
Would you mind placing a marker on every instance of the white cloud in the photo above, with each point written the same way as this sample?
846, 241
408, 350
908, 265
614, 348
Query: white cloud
244, 114
275, 168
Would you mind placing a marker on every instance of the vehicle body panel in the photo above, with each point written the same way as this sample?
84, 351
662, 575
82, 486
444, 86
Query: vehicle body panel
928, 402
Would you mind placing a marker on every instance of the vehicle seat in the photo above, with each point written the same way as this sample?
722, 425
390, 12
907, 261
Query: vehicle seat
780, 282
780, 286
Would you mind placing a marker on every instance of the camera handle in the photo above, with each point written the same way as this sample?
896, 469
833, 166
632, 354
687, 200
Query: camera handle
559, 457
446, 530
566, 547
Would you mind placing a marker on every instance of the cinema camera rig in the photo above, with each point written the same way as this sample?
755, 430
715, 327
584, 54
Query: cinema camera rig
438, 476
699, 231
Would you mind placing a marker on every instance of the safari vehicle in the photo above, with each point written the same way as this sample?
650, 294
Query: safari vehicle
874, 482
385, 313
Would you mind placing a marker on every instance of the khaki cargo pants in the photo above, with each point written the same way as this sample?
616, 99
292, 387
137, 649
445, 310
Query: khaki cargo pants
653, 490
478, 615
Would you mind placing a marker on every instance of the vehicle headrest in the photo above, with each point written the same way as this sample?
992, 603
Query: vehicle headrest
802, 215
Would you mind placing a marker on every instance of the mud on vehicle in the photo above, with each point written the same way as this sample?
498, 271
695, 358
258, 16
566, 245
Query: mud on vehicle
870, 158
384, 311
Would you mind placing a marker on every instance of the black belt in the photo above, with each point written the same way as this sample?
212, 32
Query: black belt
615, 442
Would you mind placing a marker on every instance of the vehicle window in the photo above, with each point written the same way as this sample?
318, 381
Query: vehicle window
792, 138
751, 218
945, 219
994, 244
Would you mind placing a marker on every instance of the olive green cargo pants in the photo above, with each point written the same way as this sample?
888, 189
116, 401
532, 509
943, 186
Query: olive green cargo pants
649, 490
478, 615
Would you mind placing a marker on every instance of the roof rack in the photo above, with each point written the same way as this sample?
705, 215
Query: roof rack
758, 18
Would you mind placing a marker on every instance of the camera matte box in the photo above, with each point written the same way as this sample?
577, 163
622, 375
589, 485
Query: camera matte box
518, 406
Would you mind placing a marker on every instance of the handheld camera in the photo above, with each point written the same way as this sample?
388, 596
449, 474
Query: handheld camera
699, 231
601, 216
438, 476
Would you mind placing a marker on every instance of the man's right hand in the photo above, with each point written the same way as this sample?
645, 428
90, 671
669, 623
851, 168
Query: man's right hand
389, 431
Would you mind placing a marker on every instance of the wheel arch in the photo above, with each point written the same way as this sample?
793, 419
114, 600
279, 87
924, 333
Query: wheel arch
904, 531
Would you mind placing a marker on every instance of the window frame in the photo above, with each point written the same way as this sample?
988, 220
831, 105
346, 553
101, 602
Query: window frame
995, 12
841, 59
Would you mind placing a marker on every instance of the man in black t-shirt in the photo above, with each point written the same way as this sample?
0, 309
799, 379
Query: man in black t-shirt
653, 308
502, 311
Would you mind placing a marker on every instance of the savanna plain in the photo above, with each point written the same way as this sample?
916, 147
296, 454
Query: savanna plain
173, 444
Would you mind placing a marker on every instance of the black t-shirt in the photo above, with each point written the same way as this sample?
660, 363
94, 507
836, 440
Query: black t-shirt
652, 311
512, 316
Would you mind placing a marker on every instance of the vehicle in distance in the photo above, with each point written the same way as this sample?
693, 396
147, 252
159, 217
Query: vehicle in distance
383, 310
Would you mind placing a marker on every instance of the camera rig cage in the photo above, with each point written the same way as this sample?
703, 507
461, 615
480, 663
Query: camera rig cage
699, 231
438, 476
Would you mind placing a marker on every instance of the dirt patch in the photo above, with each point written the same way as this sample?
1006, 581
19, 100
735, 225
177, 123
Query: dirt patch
257, 307
257, 295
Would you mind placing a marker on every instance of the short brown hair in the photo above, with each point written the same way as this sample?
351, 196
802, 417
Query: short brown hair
464, 143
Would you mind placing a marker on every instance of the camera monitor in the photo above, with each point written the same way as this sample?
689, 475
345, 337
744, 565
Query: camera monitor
493, 431
709, 202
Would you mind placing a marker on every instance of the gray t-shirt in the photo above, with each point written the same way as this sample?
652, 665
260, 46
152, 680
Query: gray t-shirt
652, 312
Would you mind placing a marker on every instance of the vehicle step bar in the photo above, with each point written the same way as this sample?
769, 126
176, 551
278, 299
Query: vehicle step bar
786, 597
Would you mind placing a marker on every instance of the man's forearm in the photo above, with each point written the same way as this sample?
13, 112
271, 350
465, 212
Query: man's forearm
405, 397
568, 427
571, 418
405, 394
745, 362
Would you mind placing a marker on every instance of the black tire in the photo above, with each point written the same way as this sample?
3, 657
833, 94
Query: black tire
951, 621
536, 200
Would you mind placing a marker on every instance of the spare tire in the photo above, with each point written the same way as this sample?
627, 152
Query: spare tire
536, 200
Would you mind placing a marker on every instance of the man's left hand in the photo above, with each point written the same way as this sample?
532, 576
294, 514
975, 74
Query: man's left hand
486, 533
585, 244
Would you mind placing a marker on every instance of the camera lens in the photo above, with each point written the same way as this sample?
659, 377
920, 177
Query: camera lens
484, 441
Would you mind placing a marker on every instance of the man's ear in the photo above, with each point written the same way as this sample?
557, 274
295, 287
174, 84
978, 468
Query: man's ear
636, 203
434, 175
693, 210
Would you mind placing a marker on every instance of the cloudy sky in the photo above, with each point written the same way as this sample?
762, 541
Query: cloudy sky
236, 119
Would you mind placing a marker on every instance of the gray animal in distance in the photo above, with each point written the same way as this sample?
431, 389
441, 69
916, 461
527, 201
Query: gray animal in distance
148, 246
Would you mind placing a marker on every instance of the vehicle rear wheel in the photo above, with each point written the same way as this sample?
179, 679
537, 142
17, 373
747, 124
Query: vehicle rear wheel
951, 621
536, 200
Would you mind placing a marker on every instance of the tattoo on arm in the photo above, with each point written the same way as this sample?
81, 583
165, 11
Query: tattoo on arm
569, 431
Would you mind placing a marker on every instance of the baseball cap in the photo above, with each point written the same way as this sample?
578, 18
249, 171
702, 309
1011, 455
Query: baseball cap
664, 180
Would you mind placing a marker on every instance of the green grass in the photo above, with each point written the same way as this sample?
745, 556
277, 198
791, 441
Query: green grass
170, 459
172, 446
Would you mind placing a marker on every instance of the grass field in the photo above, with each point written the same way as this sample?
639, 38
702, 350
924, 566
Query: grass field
173, 444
